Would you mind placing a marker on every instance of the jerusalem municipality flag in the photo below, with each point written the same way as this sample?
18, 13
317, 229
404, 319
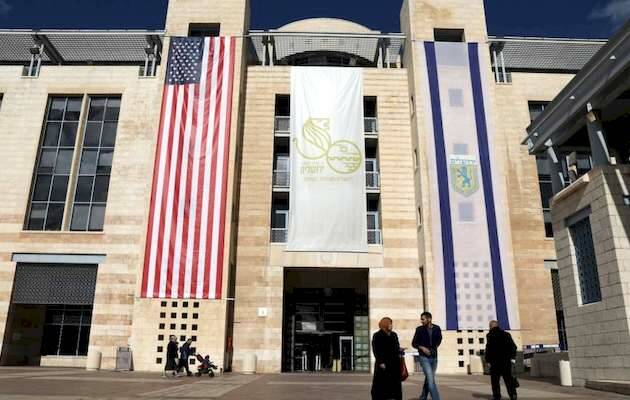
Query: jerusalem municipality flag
472, 258
184, 249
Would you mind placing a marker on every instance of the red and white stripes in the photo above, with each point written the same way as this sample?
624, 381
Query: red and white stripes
185, 239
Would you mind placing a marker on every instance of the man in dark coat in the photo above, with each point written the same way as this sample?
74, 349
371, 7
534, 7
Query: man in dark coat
386, 384
184, 353
427, 339
171, 356
500, 354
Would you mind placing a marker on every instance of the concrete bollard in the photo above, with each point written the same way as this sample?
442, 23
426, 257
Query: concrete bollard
565, 373
476, 365
249, 364
93, 360
410, 363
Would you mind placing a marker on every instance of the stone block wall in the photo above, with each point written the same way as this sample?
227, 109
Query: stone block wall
598, 333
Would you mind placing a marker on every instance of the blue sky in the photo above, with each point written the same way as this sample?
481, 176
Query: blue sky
552, 18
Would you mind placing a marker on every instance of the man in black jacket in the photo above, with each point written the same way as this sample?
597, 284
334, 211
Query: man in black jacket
427, 339
500, 354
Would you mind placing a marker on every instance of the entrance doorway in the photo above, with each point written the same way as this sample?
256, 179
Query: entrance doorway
325, 320
50, 313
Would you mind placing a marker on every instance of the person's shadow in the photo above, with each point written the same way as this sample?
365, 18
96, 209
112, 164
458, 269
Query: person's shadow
482, 396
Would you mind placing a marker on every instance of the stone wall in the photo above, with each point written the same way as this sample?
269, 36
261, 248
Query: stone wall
598, 333
394, 277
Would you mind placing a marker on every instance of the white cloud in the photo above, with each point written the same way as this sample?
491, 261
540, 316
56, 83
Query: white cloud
4, 8
615, 11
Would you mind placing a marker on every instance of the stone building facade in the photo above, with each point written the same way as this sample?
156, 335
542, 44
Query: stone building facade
591, 209
394, 278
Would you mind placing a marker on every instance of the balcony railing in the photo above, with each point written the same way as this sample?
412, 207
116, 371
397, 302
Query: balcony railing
279, 235
282, 125
374, 236
370, 125
281, 179
372, 180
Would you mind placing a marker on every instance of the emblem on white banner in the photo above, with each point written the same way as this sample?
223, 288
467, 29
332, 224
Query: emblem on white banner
343, 156
464, 175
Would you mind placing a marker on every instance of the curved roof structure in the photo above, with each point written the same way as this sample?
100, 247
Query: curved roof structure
325, 25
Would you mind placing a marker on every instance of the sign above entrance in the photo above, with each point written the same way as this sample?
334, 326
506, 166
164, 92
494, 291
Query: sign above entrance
327, 202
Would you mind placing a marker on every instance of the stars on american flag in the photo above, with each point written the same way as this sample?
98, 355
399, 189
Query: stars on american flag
184, 64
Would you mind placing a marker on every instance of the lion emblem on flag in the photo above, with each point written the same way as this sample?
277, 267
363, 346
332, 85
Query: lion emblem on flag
464, 174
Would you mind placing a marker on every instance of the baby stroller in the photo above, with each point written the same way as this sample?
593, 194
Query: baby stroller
205, 366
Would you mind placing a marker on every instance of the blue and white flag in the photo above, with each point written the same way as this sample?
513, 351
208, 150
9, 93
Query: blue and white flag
472, 257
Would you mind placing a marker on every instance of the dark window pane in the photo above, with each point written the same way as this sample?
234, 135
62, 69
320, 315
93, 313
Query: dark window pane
109, 134
84, 189
79, 217
97, 109
57, 105
84, 340
59, 188
97, 217
42, 188
47, 161
113, 109
68, 134
101, 185
546, 193
69, 340
50, 339
36, 218
64, 161
88, 162
92, 134
51, 137
105, 161
73, 109
55, 215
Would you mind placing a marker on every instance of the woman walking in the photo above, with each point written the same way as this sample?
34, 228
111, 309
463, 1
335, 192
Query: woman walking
386, 384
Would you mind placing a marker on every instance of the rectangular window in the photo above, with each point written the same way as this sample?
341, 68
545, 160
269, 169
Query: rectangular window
415, 159
546, 192
90, 198
66, 330
54, 175
204, 30
54, 163
449, 35
370, 115
588, 275
536, 108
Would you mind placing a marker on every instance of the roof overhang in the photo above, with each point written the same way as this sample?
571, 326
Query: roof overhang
544, 54
599, 83
78, 46
364, 45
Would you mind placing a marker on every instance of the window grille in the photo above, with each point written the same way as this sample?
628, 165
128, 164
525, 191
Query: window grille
586, 261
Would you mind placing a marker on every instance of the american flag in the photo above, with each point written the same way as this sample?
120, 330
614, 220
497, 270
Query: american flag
185, 237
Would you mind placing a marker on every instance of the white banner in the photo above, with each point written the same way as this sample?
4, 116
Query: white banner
328, 201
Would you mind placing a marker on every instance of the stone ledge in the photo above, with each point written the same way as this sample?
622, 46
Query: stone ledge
621, 387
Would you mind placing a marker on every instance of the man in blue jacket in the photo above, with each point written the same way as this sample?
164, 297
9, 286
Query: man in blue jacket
427, 339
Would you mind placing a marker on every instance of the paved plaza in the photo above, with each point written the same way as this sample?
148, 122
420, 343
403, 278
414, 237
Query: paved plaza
73, 384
